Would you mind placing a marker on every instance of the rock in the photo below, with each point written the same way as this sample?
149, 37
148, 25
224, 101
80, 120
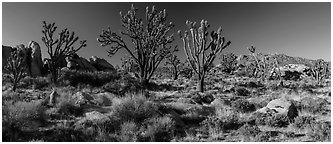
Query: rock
52, 98
290, 71
79, 63
281, 106
101, 64
176, 117
82, 98
36, 59
104, 99
6, 52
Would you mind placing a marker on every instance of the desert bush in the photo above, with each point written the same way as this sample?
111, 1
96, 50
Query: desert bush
128, 132
241, 91
249, 131
134, 107
266, 136
313, 105
35, 83
303, 121
273, 120
159, 129
124, 85
65, 134
228, 62
19, 116
320, 131
95, 79
243, 105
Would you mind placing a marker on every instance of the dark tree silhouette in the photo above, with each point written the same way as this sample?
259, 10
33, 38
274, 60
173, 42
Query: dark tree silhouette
60, 48
150, 39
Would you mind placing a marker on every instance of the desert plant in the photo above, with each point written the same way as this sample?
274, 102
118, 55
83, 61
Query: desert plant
128, 132
320, 70
17, 67
128, 65
151, 42
249, 131
303, 121
320, 131
243, 105
134, 107
175, 66
160, 129
228, 62
20, 115
199, 53
60, 48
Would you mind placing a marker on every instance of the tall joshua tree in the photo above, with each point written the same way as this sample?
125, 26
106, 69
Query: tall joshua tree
175, 66
60, 48
150, 39
199, 51
16, 66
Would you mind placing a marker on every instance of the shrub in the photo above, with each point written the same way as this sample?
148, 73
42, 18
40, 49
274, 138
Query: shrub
128, 132
36, 83
277, 120
133, 107
241, 91
303, 121
313, 105
320, 131
265, 136
21, 115
95, 79
160, 129
273, 120
243, 105
124, 85
249, 131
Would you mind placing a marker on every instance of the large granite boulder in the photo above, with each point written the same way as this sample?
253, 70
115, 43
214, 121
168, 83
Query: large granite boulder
79, 63
101, 64
282, 107
36, 59
290, 71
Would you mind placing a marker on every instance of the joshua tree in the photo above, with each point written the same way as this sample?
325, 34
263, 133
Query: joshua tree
320, 70
175, 66
150, 39
17, 67
60, 48
199, 53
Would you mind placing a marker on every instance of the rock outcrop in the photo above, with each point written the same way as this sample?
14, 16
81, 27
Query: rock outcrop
101, 64
36, 59
291, 71
79, 63
6, 52
281, 106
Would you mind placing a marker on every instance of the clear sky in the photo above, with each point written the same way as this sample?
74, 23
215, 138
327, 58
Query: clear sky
295, 29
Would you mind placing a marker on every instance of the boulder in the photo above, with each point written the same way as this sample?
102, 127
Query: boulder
290, 71
82, 98
104, 99
79, 63
36, 59
101, 64
6, 52
281, 106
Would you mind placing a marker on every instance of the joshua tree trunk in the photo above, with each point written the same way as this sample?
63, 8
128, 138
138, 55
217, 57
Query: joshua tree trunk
201, 85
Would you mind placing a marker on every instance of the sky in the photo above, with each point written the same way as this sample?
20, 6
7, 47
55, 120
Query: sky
296, 29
